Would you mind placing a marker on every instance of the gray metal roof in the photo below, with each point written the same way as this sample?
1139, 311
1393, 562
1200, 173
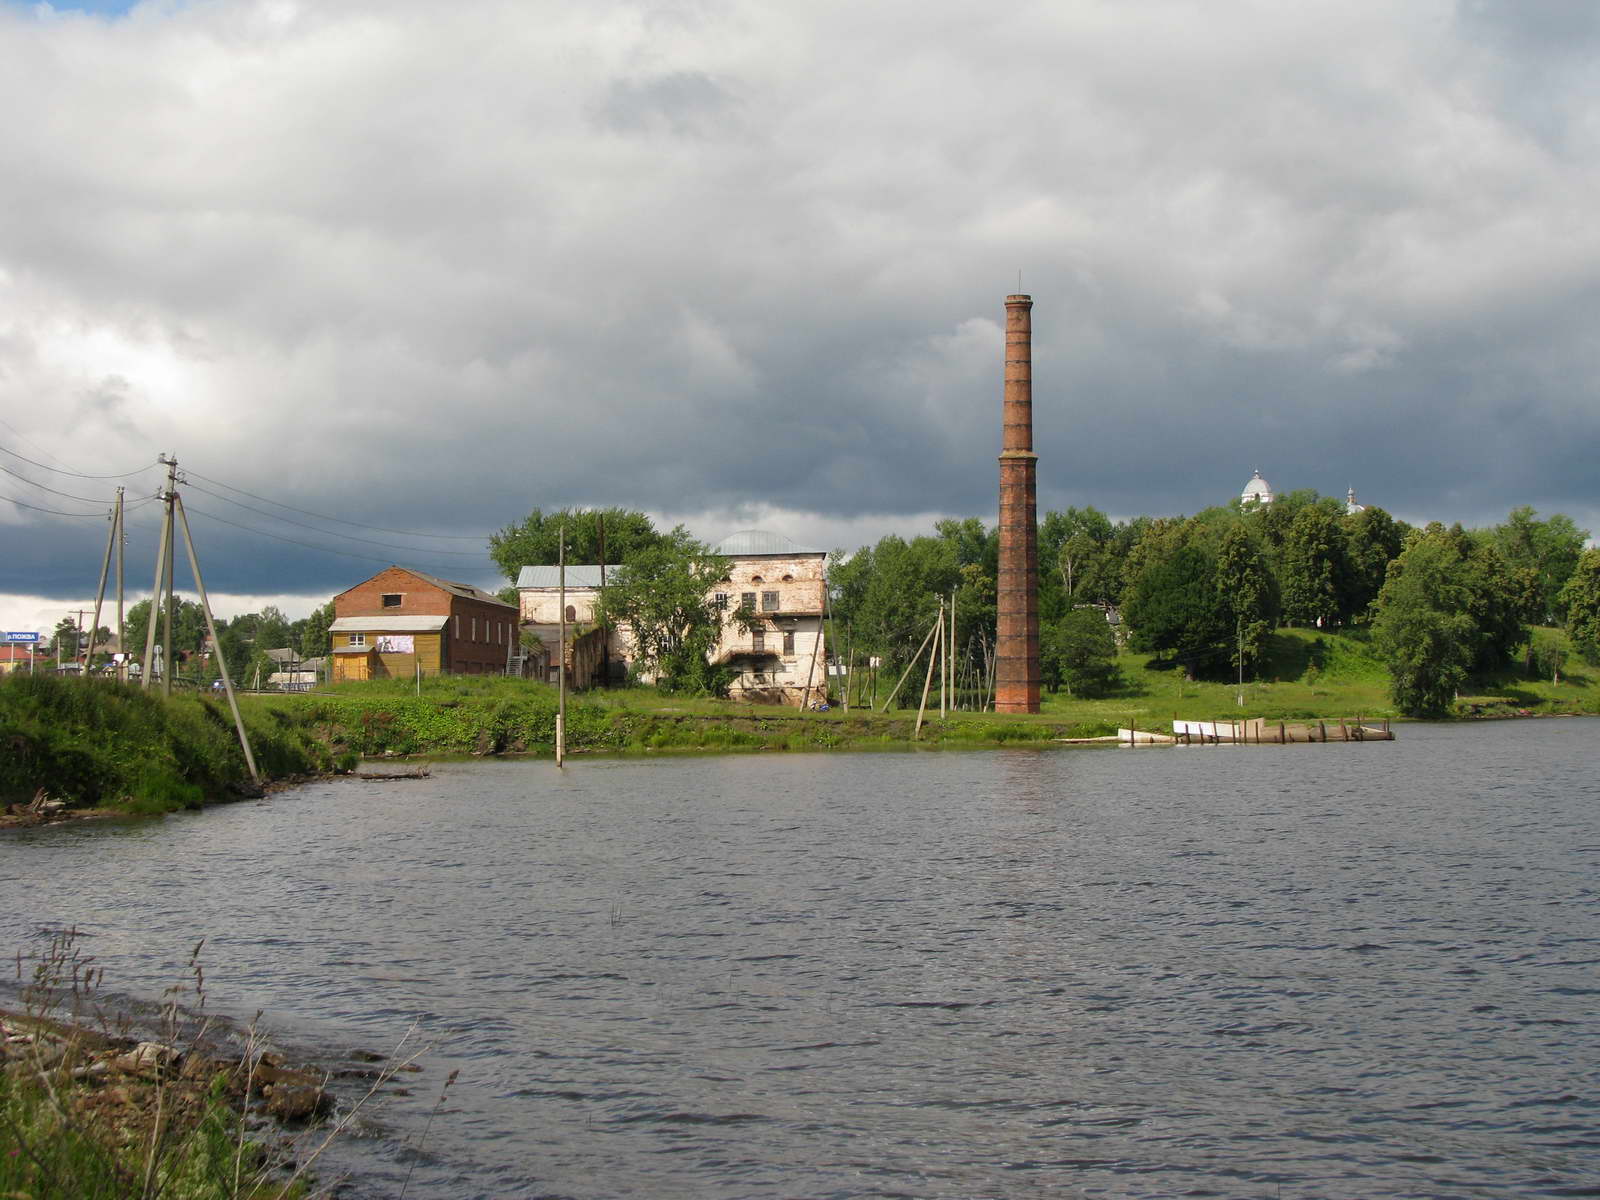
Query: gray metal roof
388, 624
578, 576
753, 542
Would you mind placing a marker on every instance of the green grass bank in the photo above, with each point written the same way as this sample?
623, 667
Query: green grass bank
96, 743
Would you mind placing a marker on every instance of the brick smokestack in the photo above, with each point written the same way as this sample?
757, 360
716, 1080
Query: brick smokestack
1017, 668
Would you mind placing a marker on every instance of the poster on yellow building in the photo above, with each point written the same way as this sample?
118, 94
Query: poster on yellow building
396, 643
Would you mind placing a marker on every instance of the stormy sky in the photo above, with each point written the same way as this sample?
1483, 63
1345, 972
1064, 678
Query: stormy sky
422, 267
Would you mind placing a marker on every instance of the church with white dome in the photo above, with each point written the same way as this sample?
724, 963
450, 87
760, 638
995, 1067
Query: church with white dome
1259, 491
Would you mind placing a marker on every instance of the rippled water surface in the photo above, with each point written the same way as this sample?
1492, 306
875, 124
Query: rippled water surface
1303, 971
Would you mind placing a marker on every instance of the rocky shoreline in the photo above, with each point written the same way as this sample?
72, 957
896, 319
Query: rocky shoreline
135, 1099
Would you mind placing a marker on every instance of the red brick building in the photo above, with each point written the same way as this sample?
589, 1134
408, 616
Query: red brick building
400, 620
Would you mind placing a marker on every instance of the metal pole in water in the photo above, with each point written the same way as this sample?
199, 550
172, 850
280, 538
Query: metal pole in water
561, 670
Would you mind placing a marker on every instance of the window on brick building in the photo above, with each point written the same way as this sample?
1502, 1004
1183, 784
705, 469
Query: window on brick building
392, 599
788, 641
769, 601
758, 640
720, 600
747, 600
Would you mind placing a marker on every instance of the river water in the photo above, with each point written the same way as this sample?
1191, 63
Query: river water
1277, 972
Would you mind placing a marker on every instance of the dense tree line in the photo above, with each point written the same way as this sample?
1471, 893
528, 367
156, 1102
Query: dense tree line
1205, 592
244, 639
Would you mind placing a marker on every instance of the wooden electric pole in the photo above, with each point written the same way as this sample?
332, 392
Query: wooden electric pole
147, 667
211, 628
122, 551
105, 571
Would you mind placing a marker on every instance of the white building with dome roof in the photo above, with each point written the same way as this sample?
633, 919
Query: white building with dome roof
1257, 491
782, 660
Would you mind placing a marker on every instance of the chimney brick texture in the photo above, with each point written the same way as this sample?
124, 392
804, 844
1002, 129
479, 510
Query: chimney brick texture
1017, 666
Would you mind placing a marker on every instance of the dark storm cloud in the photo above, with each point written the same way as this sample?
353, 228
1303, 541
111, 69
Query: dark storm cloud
425, 269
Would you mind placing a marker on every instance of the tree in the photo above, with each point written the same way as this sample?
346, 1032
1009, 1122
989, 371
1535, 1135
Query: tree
1175, 608
1075, 563
535, 540
1083, 565
1580, 597
188, 627
272, 629
1249, 595
1446, 609
888, 594
1311, 569
1549, 652
1548, 549
664, 593
1080, 652
67, 639
1372, 540
315, 640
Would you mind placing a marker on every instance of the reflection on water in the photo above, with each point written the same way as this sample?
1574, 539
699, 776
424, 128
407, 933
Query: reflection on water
1306, 971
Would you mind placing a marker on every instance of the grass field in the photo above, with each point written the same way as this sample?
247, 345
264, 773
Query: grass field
1308, 674
94, 742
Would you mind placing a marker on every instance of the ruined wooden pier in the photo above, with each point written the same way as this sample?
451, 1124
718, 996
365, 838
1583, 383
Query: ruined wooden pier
1257, 731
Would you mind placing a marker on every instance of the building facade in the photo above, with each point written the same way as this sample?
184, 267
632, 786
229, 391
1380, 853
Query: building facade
781, 660
402, 622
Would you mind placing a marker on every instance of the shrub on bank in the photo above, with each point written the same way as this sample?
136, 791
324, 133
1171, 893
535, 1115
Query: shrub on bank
97, 742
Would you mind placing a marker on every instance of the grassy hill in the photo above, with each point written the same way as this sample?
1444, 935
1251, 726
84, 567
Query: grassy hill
1311, 673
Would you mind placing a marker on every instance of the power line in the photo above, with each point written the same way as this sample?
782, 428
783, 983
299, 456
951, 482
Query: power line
54, 512
458, 537
350, 536
53, 492
295, 542
74, 474
17, 433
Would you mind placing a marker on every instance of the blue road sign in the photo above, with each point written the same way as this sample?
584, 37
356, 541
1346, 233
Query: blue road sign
22, 637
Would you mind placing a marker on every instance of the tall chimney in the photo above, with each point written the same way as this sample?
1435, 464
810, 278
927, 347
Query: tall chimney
1017, 666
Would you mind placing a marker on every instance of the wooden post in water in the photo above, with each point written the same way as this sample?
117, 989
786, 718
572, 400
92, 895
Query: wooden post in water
561, 669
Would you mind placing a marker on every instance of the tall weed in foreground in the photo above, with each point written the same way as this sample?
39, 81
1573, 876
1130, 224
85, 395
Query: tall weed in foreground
86, 1112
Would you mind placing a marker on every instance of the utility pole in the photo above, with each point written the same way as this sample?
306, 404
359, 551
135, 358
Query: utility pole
105, 570
211, 628
122, 550
927, 680
169, 656
954, 661
561, 670
1241, 661
164, 553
